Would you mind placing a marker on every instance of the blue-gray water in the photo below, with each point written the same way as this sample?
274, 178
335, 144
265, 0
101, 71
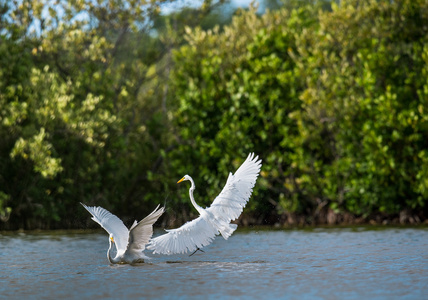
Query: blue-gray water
348, 263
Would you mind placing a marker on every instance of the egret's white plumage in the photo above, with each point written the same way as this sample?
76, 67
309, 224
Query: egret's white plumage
129, 243
226, 207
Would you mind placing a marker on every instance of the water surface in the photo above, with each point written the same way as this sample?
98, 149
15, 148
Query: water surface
347, 263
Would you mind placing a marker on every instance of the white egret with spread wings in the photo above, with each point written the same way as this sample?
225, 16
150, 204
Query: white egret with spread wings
214, 220
131, 243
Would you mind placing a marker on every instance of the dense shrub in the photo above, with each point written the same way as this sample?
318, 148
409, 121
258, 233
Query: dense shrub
335, 102
333, 95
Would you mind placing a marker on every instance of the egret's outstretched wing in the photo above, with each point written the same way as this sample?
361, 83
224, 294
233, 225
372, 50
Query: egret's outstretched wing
228, 205
195, 234
140, 233
111, 223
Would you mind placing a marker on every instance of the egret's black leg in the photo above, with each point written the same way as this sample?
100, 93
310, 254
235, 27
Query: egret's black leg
196, 250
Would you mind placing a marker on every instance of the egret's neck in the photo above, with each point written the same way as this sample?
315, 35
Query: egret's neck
192, 188
110, 259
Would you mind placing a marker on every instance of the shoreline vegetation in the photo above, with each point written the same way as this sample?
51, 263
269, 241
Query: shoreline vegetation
241, 228
110, 102
329, 219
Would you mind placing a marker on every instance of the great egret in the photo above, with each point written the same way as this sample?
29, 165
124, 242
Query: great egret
227, 206
129, 243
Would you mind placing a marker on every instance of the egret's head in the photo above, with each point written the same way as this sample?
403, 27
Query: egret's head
186, 177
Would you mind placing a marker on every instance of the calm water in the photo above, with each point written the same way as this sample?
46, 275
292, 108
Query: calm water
293, 264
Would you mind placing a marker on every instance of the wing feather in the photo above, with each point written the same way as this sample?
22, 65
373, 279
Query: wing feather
195, 234
141, 232
111, 224
228, 205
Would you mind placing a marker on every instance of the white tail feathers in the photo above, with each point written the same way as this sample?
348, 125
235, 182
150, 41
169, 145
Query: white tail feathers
227, 230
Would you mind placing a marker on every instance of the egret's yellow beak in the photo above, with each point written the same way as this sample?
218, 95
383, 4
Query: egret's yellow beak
111, 238
180, 180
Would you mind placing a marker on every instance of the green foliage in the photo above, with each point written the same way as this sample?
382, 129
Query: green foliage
333, 99
77, 117
97, 106
366, 98
4, 210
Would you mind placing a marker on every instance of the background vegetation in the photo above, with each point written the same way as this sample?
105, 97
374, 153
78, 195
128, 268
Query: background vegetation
109, 103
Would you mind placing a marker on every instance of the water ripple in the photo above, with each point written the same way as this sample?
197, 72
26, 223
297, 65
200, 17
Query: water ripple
291, 264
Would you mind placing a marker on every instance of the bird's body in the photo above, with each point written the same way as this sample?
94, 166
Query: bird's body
214, 220
131, 243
